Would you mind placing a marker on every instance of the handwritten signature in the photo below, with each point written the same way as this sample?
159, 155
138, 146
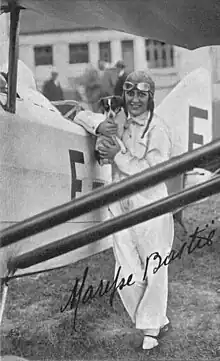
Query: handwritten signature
80, 294
76, 294
198, 241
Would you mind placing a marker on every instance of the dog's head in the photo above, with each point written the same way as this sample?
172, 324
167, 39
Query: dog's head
111, 106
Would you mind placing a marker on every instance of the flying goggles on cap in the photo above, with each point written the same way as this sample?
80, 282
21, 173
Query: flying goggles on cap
144, 87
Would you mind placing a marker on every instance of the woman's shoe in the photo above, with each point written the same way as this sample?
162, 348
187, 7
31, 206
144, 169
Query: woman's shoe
164, 330
149, 342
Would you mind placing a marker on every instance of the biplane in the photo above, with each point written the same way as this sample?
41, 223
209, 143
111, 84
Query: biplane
50, 180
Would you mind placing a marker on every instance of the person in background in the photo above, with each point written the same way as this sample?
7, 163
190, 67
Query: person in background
52, 89
108, 81
101, 67
122, 75
92, 86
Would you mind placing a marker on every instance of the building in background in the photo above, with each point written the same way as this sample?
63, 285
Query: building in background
46, 43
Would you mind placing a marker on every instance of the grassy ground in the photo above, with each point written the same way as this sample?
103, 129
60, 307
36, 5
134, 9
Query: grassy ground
33, 326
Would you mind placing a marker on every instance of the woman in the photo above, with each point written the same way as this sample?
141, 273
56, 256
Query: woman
146, 138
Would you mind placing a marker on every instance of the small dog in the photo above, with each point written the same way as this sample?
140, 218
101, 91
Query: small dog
111, 106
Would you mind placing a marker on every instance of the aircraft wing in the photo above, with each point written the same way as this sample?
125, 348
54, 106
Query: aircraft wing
187, 23
46, 161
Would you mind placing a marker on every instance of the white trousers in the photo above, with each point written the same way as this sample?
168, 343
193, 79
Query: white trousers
145, 300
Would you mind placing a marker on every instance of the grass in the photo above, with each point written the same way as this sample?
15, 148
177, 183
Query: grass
34, 327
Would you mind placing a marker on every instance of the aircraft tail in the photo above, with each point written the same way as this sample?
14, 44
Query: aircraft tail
187, 111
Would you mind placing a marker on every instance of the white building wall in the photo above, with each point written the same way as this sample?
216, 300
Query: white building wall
94, 52
139, 53
4, 33
116, 50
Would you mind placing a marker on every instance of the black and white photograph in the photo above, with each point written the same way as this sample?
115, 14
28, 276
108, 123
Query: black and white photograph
110, 180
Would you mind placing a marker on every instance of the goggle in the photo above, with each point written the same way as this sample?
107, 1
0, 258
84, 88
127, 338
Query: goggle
128, 86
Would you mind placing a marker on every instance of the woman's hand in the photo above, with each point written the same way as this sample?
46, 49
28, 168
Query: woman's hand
107, 128
109, 149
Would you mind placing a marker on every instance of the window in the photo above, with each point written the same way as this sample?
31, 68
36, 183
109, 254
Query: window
105, 51
78, 53
43, 55
159, 54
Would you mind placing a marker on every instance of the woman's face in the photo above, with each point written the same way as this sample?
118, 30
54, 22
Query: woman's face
136, 102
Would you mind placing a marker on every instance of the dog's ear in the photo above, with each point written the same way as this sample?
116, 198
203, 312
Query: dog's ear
118, 99
121, 101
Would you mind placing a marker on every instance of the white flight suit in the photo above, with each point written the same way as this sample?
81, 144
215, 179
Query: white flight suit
145, 300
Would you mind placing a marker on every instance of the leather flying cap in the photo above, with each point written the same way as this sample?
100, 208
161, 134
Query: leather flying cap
141, 76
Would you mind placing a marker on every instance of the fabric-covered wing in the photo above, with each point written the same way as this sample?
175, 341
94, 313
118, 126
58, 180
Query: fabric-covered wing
187, 23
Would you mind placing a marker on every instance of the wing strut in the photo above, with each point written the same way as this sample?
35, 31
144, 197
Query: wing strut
110, 193
13, 57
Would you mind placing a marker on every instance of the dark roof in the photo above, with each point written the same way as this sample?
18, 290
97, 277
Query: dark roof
35, 23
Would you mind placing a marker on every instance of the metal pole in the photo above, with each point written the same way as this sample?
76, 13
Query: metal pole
13, 58
107, 195
104, 229
4, 291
